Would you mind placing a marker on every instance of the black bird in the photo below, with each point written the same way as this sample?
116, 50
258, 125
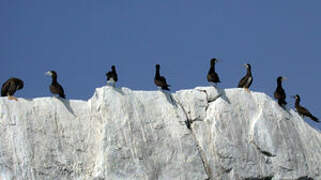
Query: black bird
112, 77
302, 110
159, 80
212, 76
55, 87
279, 93
247, 80
10, 87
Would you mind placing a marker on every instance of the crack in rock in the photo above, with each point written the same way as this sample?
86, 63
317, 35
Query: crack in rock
188, 123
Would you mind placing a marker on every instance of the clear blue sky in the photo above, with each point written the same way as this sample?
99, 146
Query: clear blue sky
81, 39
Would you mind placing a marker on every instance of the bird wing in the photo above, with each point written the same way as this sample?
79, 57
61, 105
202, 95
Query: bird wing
279, 93
213, 77
242, 82
4, 88
304, 111
113, 75
250, 83
9, 87
209, 77
216, 77
60, 91
12, 87
163, 80
108, 74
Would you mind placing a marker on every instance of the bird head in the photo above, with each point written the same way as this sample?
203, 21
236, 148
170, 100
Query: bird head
157, 66
297, 97
113, 68
20, 85
213, 61
51, 73
247, 66
281, 78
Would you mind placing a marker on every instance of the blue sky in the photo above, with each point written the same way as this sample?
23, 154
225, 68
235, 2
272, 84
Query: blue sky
81, 39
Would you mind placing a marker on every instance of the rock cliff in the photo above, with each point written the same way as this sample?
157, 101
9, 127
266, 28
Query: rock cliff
126, 134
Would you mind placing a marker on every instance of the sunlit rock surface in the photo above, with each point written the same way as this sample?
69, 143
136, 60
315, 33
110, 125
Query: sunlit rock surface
125, 134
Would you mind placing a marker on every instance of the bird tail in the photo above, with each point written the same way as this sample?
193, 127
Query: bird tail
62, 96
314, 118
166, 88
3, 93
282, 102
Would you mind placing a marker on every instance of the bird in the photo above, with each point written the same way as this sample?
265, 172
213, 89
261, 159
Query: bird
212, 76
10, 87
302, 110
247, 80
279, 93
55, 87
159, 80
112, 77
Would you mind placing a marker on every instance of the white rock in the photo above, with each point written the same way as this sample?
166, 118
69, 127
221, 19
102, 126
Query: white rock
125, 134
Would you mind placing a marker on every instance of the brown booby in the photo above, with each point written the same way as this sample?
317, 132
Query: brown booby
302, 110
55, 87
212, 76
279, 93
112, 77
159, 80
10, 87
247, 80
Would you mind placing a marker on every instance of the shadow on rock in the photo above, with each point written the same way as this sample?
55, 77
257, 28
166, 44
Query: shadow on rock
66, 103
119, 90
169, 98
222, 94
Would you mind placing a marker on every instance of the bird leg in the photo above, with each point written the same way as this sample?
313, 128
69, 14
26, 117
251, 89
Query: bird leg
12, 98
213, 84
112, 84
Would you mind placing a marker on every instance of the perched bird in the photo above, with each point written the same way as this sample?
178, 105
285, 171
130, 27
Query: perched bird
212, 76
159, 80
303, 111
10, 87
247, 80
55, 87
112, 77
279, 93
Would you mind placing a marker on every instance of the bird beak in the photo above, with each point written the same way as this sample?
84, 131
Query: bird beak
284, 78
246, 65
48, 73
293, 97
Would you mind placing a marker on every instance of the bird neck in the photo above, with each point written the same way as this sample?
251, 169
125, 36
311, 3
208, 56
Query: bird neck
212, 67
279, 83
249, 72
54, 79
157, 73
297, 102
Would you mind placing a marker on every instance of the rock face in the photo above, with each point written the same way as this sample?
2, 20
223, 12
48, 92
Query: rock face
125, 134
